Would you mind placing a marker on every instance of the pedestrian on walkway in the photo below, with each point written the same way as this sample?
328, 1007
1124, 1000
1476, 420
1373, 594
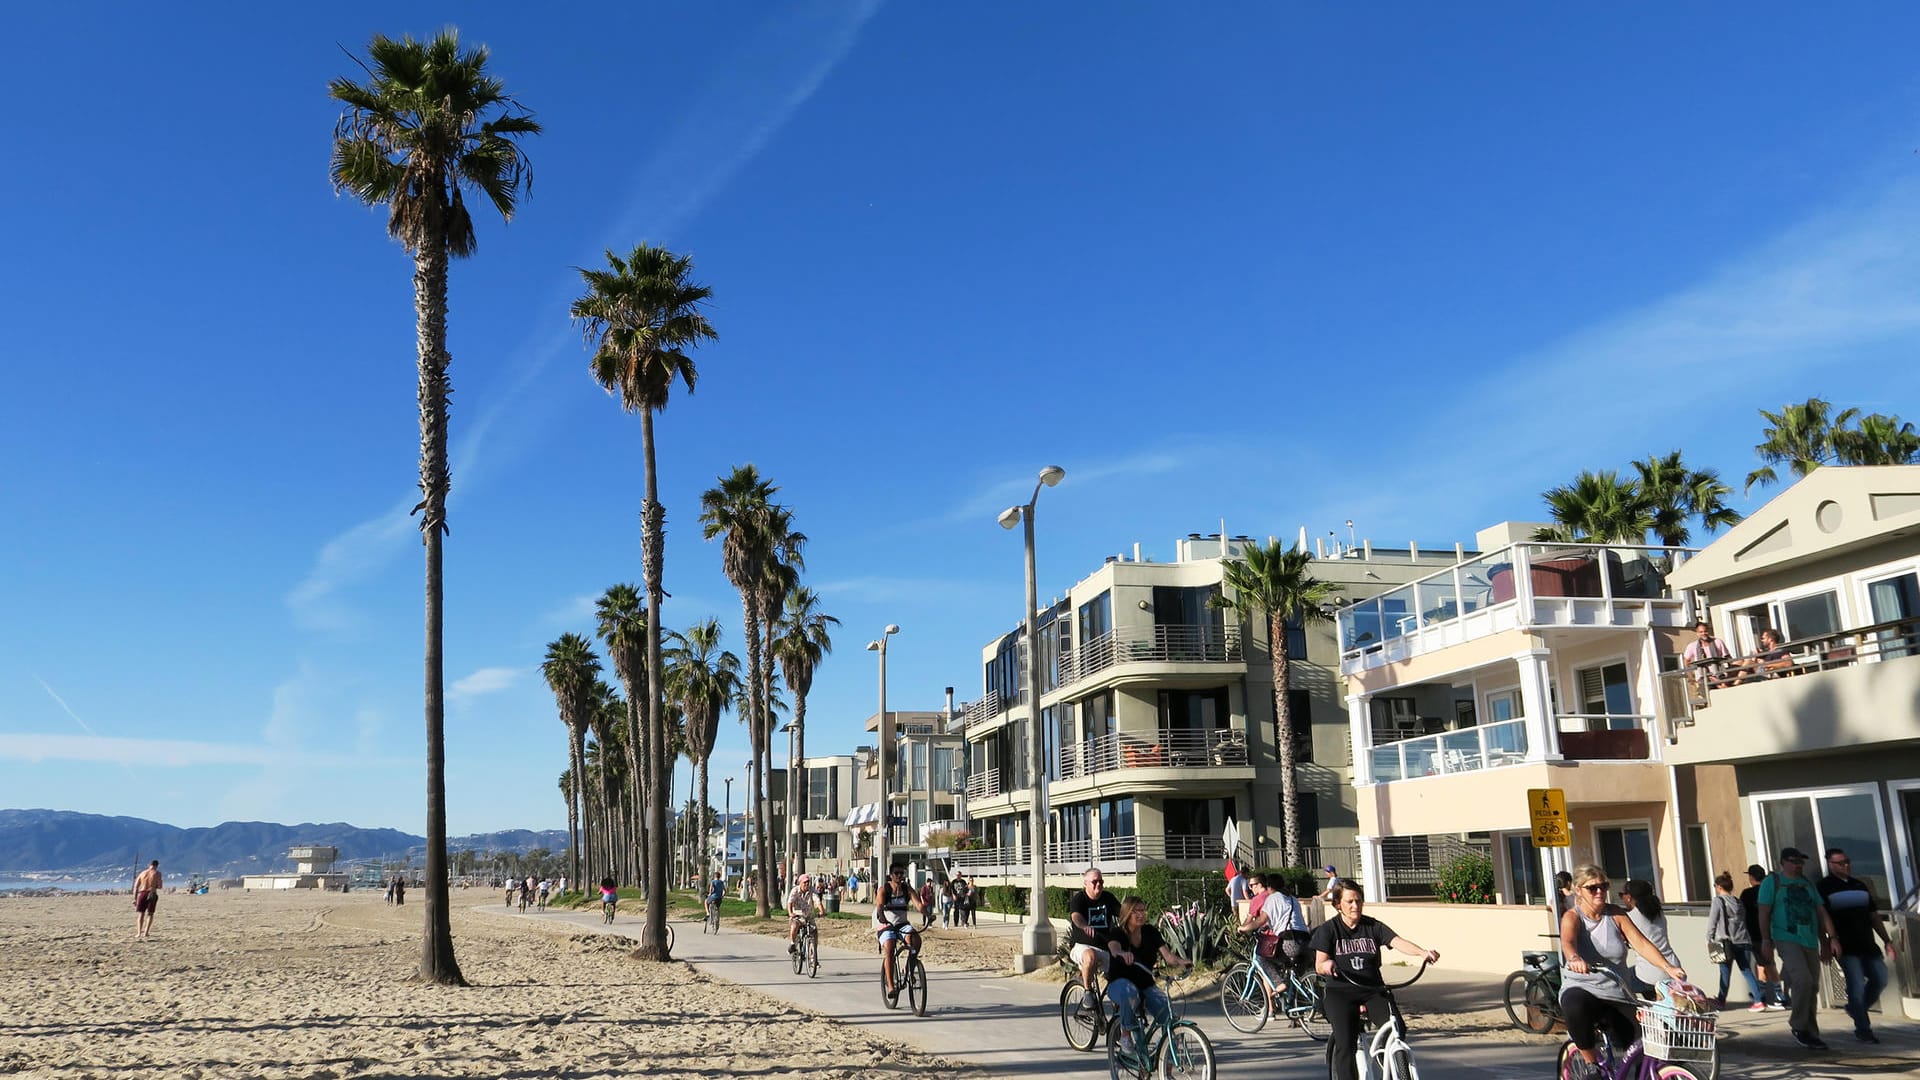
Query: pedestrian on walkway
1856, 921
1794, 924
1727, 925
1772, 991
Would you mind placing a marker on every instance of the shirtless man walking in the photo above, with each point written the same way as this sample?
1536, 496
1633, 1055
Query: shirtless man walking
146, 899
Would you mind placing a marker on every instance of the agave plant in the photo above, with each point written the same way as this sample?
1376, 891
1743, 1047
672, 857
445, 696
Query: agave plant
1190, 932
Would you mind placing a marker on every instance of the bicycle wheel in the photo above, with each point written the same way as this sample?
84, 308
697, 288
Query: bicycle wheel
1400, 1065
1081, 1016
1243, 997
669, 938
1563, 1069
799, 956
917, 986
1676, 1072
1523, 995
1305, 1010
813, 953
1122, 1063
1188, 1053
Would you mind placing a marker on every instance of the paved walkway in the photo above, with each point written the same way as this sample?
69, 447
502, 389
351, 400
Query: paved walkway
1008, 1026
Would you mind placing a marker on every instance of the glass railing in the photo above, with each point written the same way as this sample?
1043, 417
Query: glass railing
1523, 571
1488, 746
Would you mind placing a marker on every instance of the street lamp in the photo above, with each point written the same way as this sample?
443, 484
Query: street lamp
1037, 939
792, 861
726, 830
885, 823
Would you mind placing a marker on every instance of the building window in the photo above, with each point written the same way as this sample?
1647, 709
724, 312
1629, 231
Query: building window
1116, 817
1625, 852
1193, 710
945, 778
1308, 806
1523, 870
1096, 618
1300, 711
822, 846
1604, 691
919, 765
1811, 616
1296, 639
1699, 862
823, 790
1196, 817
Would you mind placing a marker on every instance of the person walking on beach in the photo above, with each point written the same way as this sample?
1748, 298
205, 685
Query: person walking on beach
146, 900
400, 891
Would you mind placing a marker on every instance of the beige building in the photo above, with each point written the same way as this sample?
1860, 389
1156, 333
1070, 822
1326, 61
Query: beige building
1158, 722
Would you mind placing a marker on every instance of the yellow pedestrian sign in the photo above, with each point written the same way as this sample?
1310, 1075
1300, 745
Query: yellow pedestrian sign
1548, 808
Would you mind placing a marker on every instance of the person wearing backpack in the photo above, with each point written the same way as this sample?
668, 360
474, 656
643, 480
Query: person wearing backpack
1795, 925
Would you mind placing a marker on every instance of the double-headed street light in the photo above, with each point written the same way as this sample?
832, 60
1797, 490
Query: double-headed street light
1037, 939
885, 821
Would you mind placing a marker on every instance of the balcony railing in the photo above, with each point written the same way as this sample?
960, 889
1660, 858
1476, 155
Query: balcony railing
1223, 747
1488, 746
1110, 852
1175, 644
987, 708
984, 784
1577, 582
1865, 645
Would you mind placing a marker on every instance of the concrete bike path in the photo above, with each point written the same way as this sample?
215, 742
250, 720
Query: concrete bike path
1007, 1026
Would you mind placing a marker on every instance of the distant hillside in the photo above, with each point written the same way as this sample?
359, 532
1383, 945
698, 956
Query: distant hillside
62, 841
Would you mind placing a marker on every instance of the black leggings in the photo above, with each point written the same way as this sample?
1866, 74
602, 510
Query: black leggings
1586, 1014
1342, 1001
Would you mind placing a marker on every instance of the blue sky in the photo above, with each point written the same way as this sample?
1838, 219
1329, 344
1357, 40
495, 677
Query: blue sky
1281, 266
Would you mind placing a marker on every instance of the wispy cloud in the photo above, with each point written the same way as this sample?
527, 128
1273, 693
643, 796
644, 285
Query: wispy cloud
983, 503
1826, 292
489, 680
349, 558
877, 589
170, 753
74, 716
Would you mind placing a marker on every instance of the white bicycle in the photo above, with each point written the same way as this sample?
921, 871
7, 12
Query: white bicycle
1386, 1055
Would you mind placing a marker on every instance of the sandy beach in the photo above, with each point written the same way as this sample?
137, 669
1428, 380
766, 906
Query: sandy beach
315, 985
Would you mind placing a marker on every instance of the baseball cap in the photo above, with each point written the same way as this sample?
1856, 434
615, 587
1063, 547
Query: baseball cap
1329, 868
1791, 853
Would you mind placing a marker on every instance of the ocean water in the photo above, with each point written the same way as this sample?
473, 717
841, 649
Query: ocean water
67, 886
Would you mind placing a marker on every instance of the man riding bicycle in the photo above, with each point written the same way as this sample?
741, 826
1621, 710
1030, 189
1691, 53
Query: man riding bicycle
802, 906
715, 892
893, 920
1094, 914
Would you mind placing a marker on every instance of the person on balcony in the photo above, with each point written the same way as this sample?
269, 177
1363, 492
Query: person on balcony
1706, 659
1773, 660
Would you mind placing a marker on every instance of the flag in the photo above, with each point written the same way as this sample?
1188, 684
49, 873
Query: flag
1230, 839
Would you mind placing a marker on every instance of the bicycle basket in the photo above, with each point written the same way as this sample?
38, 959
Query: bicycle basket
1676, 1036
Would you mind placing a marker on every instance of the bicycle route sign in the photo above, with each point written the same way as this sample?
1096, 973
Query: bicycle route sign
1548, 809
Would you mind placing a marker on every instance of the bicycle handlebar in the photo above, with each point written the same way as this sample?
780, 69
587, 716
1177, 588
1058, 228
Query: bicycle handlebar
1384, 984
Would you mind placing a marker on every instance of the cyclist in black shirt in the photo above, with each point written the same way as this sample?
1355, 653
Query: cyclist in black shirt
1094, 913
1346, 949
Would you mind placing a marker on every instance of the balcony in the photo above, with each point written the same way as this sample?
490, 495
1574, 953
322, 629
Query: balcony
1113, 854
991, 707
1839, 691
984, 784
1582, 737
1174, 644
1220, 748
1520, 587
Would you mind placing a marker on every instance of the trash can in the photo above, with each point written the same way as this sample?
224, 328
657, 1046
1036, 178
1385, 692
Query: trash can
833, 901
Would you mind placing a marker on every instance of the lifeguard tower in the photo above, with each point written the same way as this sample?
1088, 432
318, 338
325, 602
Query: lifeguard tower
312, 869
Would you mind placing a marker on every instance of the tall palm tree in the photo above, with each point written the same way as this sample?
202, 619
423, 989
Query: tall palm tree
570, 791
740, 510
608, 721
642, 314
803, 641
571, 669
1877, 440
1274, 582
1597, 508
705, 679
1801, 437
1675, 494
428, 126
781, 577
622, 622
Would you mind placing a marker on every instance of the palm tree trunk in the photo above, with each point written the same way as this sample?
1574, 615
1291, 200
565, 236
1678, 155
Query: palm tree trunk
1283, 715
756, 707
762, 821
653, 525
437, 963
700, 820
795, 789
577, 804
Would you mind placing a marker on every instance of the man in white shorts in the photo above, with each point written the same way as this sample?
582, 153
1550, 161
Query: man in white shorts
1094, 912
802, 906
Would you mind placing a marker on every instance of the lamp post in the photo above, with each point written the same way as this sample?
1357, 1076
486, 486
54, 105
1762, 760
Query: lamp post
791, 841
726, 829
884, 824
1037, 938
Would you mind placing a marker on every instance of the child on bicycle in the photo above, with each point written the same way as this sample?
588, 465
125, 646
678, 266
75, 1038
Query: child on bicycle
1594, 939
1346, 949
1133, 947
608, 894
802, 906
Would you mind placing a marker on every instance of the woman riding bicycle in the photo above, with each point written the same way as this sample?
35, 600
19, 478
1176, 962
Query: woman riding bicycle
1594, 939
893, 920
1133, 947
1279, 928
609, 896
1346, 949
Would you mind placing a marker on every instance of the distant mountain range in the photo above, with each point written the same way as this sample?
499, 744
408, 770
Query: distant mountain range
84, 845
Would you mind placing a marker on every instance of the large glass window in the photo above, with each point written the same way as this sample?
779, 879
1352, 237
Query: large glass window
1300, 714
1811, 616
1096, 618
1523, 869
944, 776
1895, 599
823, 789
1625, 851
1296, 639
1196, 817
919, 765
1604, 691
1813, 823
1503, 705
1116, 817
1193, 710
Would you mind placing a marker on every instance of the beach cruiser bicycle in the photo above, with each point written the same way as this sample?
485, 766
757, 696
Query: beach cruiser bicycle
1533, 992
1382, 1051
1083, 1010
1250, 996
806, 950
1174, 1049
1677, 1041
712, 925
607, 906
909, 974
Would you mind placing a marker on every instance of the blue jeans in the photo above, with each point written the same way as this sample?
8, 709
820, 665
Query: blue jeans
1741, 956
1866, 977
1126, 997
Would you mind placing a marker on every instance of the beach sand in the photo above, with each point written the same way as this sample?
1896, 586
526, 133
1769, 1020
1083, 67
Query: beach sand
312, 985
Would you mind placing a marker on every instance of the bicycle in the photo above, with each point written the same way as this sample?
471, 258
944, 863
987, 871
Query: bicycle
606, 909
712, 925
1533, 993
1248, 996
1083, 1011
806, 950
1174, 1048
1670, 1033
1387, 1054
909, 974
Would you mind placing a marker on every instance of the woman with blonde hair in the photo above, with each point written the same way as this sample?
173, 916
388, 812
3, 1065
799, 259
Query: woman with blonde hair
1595, 937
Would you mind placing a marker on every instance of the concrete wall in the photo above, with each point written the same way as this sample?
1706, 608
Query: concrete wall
1819, 711
1490, 937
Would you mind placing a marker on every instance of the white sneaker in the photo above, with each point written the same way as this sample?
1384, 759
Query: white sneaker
1774, 1006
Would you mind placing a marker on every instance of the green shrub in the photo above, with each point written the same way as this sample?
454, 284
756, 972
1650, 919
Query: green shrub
1005, 899
1468, 879
1301, 881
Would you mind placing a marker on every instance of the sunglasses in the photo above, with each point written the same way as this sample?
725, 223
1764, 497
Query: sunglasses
1598, 888
1096, 881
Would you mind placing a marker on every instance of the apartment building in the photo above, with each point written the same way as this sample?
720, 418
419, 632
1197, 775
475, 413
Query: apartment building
1530, 666
1822, 739
1157, 720
836, 787
925, 779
